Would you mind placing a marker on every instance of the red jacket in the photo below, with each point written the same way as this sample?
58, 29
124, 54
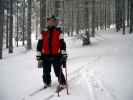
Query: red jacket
51, 42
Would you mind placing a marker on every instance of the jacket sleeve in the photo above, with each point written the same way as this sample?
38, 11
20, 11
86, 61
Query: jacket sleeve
39, 45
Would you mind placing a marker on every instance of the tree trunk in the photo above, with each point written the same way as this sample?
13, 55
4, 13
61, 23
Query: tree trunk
77, 17
23, 26
123, 16
11, 28
7, 29
86, 38
118, 15
93, 17
72, 19
131, 16
29, 26
105, 14
1, 27
17, 25
42, 14
101, 14
128, 13
36, 27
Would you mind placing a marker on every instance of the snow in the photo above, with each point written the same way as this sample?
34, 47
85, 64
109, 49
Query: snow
101, 71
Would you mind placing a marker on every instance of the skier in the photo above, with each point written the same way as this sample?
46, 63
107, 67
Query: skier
52, 51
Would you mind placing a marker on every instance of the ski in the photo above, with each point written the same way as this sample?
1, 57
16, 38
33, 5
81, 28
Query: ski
37, 91
59, 89
52, 95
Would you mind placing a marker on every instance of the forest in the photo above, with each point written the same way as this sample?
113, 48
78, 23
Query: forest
19, 19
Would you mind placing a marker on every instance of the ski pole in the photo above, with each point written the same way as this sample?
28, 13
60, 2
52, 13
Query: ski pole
59, 80
66, 80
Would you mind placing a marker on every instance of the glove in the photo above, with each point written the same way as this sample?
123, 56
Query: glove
39, 59
64, 54
40, 64
64, 59
39, 55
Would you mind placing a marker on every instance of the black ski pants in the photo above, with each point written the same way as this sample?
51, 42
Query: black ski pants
57, 66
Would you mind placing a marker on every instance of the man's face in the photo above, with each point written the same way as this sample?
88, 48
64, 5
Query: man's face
52, 22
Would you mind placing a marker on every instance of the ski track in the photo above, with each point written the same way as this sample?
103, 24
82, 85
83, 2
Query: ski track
97, 88
99, 91
73, 76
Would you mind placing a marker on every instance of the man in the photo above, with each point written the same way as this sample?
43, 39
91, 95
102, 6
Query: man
52, 51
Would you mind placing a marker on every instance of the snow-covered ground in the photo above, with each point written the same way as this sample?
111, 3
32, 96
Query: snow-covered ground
101, 71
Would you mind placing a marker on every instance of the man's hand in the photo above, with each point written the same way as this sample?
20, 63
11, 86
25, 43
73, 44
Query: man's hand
38, 56
64, 59
40, 63
39, 59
